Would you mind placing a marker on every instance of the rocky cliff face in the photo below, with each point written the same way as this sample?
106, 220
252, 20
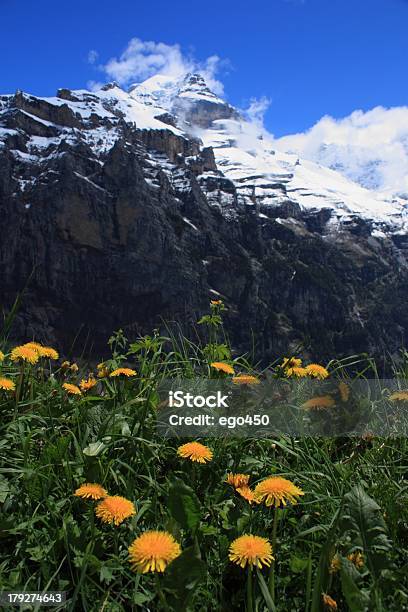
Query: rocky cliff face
123, 210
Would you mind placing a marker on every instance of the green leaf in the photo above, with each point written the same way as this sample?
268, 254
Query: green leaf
242, 522
4, 488
105, 574
213, 320
357, 599
94, 449
251, 463
40, 552
125, 429
209, 530
140, 598
298, 564
362, 520
217, 352
184, 505
265, 592
182, 577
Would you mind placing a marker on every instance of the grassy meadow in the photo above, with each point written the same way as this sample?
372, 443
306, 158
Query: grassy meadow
95, 503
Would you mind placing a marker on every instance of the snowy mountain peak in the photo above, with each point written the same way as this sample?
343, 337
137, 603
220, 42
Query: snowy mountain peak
195, 87
112, 85
164, 90
157, 90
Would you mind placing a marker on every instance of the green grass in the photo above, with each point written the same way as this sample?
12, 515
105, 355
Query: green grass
355, 494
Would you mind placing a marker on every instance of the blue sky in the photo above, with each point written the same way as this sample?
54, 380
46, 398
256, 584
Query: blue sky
310, 57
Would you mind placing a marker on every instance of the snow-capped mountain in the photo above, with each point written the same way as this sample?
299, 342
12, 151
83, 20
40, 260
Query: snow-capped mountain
148, 201
263, 176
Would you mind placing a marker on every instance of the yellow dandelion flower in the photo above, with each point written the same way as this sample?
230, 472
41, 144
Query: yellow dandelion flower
216, 302
48, 353
356, 558
276, 490
314, 370
324, 401
344, 391
329, 602
123, 372
245, 379
291, 362
103, 371
251, 549
153, 551
296, 372
24, 353
89, 383
247, 493
65, 365
91, 490
6, 384
114, 509
1, 356
237, 480
335, 564
399, 396
195, 452
71, 389
74, 368
34, 345
222, 367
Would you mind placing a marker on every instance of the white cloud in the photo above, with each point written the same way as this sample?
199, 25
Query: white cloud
142, 59
92, 56
257, 109
369, 147
94, 85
